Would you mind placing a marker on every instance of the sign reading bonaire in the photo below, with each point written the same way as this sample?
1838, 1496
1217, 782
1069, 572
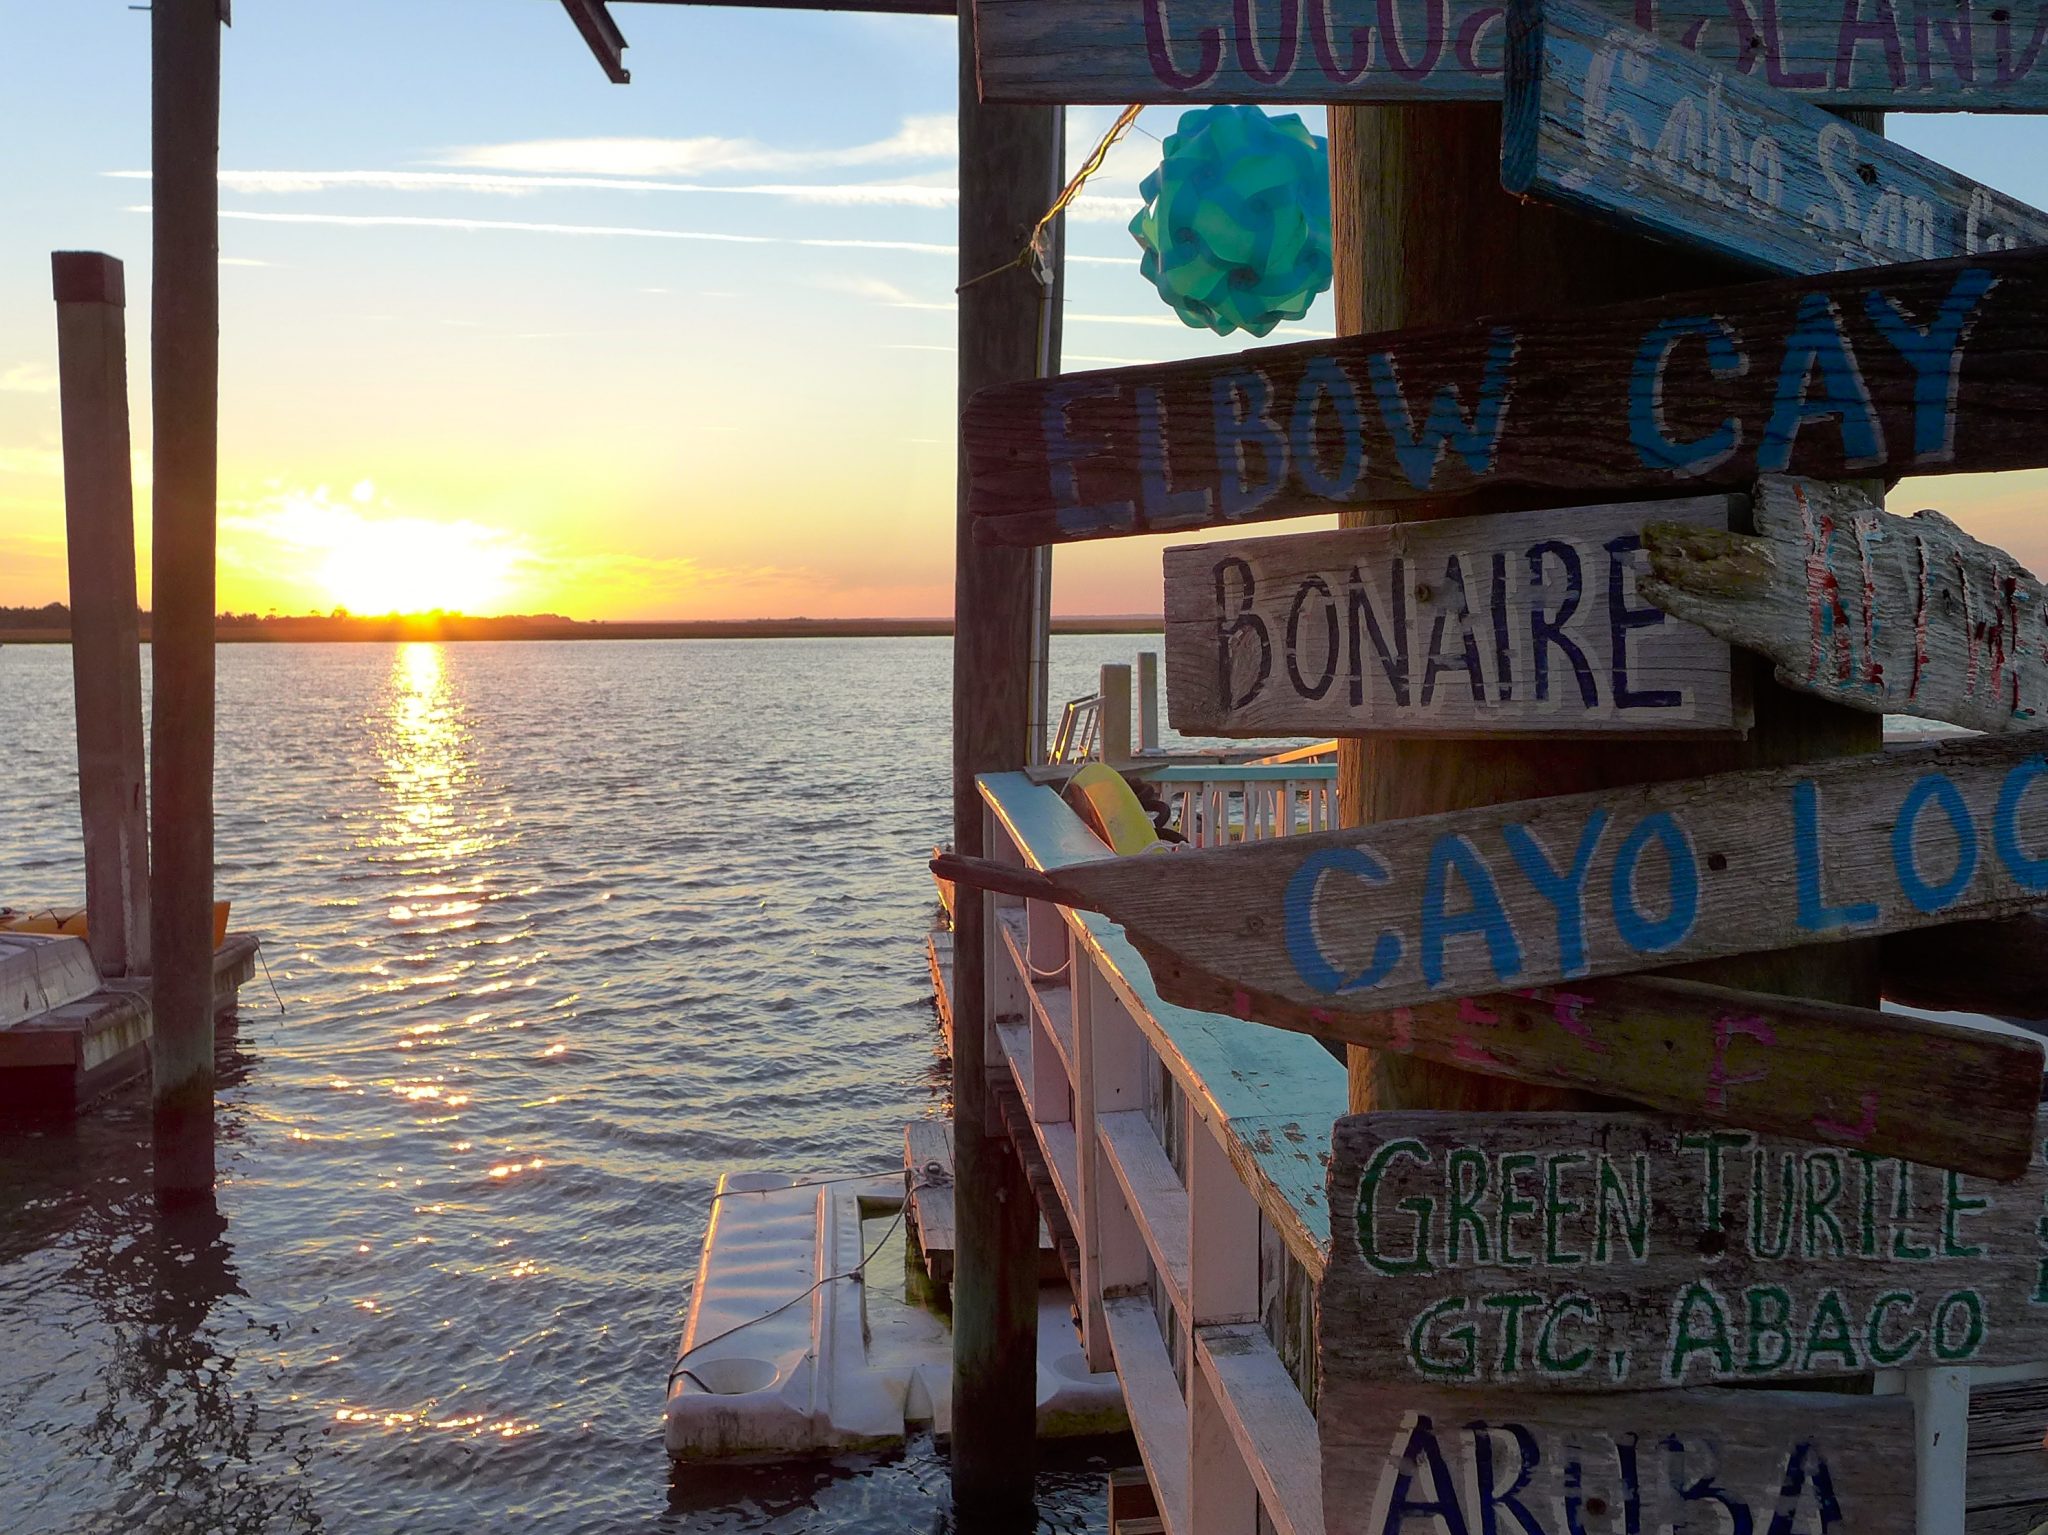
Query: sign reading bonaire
1934, 368
1403, 1460
1891, 615
1525, 624
1603, 1252
1925, 56
1473, 902
1603, 117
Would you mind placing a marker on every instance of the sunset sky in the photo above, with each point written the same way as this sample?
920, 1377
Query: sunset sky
503, 337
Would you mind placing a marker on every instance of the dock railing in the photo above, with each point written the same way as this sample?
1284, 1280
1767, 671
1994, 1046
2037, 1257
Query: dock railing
1249, 802
1188, 1151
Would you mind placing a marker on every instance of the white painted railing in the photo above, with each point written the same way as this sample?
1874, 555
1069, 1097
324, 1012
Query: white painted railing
1189, 1152
1248, 803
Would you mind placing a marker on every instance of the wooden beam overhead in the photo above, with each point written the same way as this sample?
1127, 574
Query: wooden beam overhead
882, 7
595, 22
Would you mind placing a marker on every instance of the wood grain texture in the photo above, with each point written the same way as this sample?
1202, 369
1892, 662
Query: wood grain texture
1582, 1252
1999, 968
1947, 1096
1932, 368
1401, 1460
1890, 615
1524, 624
1190, 51
1603, 883
2007, 1473
1603, 118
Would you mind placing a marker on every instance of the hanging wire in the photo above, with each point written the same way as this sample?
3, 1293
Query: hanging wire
1032, 258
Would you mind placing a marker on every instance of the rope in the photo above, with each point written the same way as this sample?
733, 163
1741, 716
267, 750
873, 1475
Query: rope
1032, 257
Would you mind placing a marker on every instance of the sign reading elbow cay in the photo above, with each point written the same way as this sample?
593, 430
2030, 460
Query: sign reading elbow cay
1524, 624
1932, 368
1931, 56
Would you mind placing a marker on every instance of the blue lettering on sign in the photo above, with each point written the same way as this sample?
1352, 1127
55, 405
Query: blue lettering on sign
1323, 380
1164, 506
1422, 1449
1818, 343
1935, 354
1242, 403
1621, 618
1940, 789
1546, 632
1298, 909
1491, 1502
1486, 916
1815, 915
1564, 889
1648, 432
1653, 935
1063, 450
2028, 871
1475, 441
1468, 662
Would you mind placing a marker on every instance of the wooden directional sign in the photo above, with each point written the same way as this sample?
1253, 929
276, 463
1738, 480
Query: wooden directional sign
1526, 624
1939, 55
1471, 902
1934, 368
1403, 1460
1948, 1096
1892, 615
1576, 1252
1604, 118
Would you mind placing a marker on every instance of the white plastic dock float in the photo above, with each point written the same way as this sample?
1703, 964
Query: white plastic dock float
768, 1370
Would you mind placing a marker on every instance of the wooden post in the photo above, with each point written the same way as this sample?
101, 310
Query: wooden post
1426, 236
1148, 700
1009, 175
1115, 687
106, 647
185, 378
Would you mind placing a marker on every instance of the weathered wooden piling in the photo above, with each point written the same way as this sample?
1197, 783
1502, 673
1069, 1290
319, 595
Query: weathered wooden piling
1426, 236
106, 655
1009, 174
185, 378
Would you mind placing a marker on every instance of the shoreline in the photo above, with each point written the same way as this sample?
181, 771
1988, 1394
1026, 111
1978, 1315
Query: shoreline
475, 630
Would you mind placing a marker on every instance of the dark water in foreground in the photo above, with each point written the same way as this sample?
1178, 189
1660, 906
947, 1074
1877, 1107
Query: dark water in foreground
561, 932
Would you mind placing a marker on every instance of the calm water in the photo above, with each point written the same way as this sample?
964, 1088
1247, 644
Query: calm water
561, 932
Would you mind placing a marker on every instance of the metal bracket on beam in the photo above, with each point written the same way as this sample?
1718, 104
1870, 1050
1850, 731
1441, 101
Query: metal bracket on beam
595, 22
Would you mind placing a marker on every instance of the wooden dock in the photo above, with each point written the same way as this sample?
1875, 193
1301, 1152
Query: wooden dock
59, 1061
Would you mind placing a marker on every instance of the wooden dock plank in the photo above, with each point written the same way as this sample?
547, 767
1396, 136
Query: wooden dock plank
1273, 1425
1152, 1399
1155, 1193
928, 1161
2007, 1477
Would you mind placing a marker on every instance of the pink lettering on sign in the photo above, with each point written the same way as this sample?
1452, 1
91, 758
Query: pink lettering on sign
1856, 1134
1727, 1028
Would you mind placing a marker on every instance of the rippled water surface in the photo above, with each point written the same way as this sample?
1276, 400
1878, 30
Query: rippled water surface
561, 931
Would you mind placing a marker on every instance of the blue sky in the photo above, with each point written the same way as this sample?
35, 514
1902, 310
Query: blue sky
500, 333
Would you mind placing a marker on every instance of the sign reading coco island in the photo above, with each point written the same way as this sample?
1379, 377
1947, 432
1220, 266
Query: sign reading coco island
1935, 368
1604, 118
1525, 624
1927, 55
1600, 1252
1893, 615
1505, 897
1409, 1461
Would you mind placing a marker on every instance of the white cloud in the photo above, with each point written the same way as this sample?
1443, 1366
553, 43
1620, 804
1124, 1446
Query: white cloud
903, 194
919, 138
875, 288
28, 378
40, 463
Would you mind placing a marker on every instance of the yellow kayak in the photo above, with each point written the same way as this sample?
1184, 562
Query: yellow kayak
71, 920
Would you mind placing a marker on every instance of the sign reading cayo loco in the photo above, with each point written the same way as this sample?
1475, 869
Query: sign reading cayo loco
1935, 368
1398, 1460
1893, 615
1604, 118
1929, 56
1576, 1252
1524, 624
1472, 902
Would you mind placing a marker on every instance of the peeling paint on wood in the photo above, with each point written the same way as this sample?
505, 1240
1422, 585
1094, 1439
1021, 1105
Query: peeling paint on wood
1603, 118
1934, 368
1584, 1253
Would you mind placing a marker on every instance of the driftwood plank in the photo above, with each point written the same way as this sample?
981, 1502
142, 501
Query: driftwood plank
1404, 1460
1524, 624
1891, 615
1576, 1252
2000, 968
1604, 118
1950, 1097
1935, 56
1934, 368
1530, 894
2007, 1470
